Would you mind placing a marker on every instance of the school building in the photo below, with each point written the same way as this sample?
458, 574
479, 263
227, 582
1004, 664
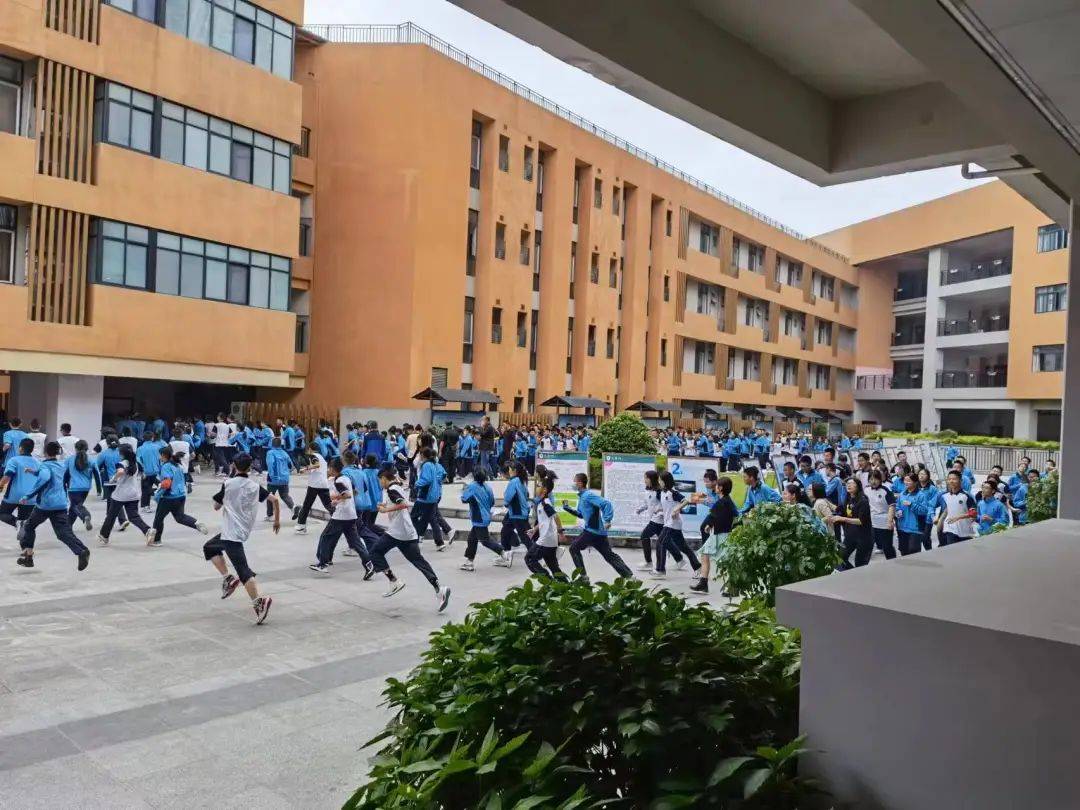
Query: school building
202, 203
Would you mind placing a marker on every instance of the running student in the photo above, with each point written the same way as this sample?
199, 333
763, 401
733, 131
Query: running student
79, 474
654, 529
717, 525
545, 548
597, 513
278, 463
673, 502
401, 534
515, 526
429, 482
480, 499
171, 497
239, 499
150, 461
342, 522
52, 505
318, 487
19, 477
125, 496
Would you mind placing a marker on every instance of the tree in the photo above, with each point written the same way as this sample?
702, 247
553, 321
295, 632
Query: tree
625, 433
1042, 499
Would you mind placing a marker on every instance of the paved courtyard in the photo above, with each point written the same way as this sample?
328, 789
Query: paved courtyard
133, 685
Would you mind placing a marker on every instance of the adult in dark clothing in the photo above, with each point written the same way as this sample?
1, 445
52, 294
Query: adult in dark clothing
448, 450
506, 446
714, 529
487, 446
374, 443
855, 517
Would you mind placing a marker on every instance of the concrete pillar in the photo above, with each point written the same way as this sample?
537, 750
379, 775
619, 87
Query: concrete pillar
935, 309
1069, 492
58, 398
1025, 420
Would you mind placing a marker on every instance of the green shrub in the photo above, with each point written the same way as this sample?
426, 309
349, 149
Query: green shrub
625, 433
563, 695
776, 544
1042, 499
952, 437
820, 430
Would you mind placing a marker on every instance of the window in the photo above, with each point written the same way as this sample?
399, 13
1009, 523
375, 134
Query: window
823, 333
577, 193
236, 27
1052, 298
569, 345
126, 117
534, 325
305, 236
757, 259
470, 242
667, 288
824, 286
500, 241
709, 239
610, 344
439, 377
736, 252
709, 299
131, 256
10, 94
616, 200
474, 155
527, 163
496, 325
785, 371
523, 248
794, 322
1048, 358
467, 337
9, 217
540, 182
704, 358
594, 269
590, 347
303, 149
613, 274
817, 376
504, 153
536, 262
522, 331
573, 267
300, 339
663, 351
1051, 237
788, 272
598, 193
667, 223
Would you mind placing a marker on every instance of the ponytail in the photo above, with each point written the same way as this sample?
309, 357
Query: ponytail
82, 459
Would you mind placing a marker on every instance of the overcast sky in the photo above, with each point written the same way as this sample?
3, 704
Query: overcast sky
795, 202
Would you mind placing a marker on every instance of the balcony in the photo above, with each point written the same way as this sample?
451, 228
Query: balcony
991, 378
910, 291
979, 324
887, 382
977, 271
909, 337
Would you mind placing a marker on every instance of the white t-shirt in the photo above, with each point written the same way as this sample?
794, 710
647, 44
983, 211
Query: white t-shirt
669, 499
344, 509
317, 477
880, 500
400, 525
651, 507
181, 446
957, 505
130, 441
39, 445
128, 487
239, 497
67, 444
547, 521
221, 434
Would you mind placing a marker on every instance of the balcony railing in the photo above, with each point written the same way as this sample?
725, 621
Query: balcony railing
987, 322
907, 292
909, 337
994, 378
887, 382
991, 268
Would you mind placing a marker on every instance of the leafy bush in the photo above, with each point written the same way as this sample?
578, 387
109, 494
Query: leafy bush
625, 433
1042, 499
952, 437
777, 544
820, 430
562, 695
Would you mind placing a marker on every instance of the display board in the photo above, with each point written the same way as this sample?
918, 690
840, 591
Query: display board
565, 466
623, 486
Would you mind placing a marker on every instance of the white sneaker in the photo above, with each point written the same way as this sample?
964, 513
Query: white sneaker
503, 561
103, 540
450, 535
658, 575
147, 510
124, 526
319, 568
468, 565
681, 564
510, 558
201, 528
348, 552
442, 599
151, 536
301, 529
645, 566
269, 518
441, 548
395, 587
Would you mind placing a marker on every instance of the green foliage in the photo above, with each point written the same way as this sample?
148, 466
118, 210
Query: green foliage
820, 430
1042, 499
625, 433
952, 437
777, 544
563, 695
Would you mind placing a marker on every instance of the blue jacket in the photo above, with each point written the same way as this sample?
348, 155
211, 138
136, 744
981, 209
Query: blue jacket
374, 489
1015, 481
745, 446
288, 438
242, 440
361, 496
278, 465
594, 511
762, 444
13, 437
22, 470
107, 462
809, 479
521, 448
158, 426
928, 502
465, 446
374, 443
762, 493
674, 444
147, 456
583, 444
834, 490
177, 485
429, 482
991, 511
263, 437
516, 499
480, 499
909, 511
80, 480
49, 489
732, 448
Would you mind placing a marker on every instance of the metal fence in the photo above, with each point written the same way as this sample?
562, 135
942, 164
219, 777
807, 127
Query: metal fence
412, 34
981, 458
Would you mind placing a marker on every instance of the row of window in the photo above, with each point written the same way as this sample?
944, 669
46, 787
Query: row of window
139, 121
1051, 237
236, 27
1051, 298
1048, 358
157, 261
10, 90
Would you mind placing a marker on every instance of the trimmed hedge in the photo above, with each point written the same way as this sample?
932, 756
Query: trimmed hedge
952, 437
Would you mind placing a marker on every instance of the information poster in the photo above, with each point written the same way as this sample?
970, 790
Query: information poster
689, 475
565, 466
624, 484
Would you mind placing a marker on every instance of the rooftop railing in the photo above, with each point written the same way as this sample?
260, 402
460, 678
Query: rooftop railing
994, 378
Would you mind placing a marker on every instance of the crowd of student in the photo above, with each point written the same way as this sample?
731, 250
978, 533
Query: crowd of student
145, 467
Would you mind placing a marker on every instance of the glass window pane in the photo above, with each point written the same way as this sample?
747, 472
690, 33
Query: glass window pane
245, 10
263, 171
199, 21
110, 228
279, 291
263, 141
282, 147
191, 268
223, 30
168, 240
260, 287
243, 46
264, 46
283, 50
147, 9
172, 140
176, 12
220, 154
197, 118
195, 147
119, 123
279, 263
137, 234
282, 181
242, 134
238, 283
215, 279
283, 26
220, 127
167, 276
141, 125
260, 259
135, 266
216, 250
239, 255
193, 246
142, 100
112, 262
170, 110
264, 17
119, 92
9, 108
241, 162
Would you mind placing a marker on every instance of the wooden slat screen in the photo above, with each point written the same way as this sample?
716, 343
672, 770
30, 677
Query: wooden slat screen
307, 416
65, 108
77, 18
684, 231
57, 268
